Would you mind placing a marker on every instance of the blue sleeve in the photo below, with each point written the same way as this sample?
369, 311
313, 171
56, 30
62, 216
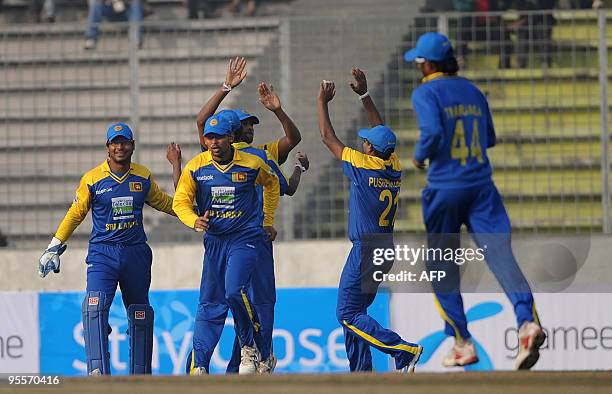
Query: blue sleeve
429, 122
491, 138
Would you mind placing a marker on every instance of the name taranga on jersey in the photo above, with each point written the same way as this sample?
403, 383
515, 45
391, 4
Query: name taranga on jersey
455, 130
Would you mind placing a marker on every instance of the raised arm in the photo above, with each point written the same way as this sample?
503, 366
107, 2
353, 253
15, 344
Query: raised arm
327, 91
270, 100
360, 86
236, 73
301, 165
173, 154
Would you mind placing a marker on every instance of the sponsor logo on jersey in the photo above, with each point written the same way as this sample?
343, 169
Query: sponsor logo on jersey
205, 178
223, 196
123, 207
239, 177
102, 191
135, 186
93, 301
139, 315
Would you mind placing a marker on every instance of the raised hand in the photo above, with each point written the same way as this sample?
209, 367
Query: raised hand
173, 154
236, 72
327, 91
303, 160
268, 97
360, 86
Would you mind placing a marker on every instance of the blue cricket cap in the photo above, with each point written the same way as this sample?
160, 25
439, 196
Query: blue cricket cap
430, 46
119, 130
244, 116
381, 137
232, 118
217, 124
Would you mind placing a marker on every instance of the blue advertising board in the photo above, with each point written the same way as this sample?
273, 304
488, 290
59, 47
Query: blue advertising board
307, 336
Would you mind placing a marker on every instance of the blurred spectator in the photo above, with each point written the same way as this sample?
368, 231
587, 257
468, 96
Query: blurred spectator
43, 10
234, 7
205, 6
534, 30
586, 4
488, 28
113, 11
3, 241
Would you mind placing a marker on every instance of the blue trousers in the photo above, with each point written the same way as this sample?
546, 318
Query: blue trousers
109, 265
98, 9
263, 294
229, 262
482, 210
360, 330
126, 265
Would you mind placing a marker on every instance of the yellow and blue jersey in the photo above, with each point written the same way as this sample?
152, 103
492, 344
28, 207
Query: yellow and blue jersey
271, 148
374, 195
455, 130
228, 192
271, 158
116, 204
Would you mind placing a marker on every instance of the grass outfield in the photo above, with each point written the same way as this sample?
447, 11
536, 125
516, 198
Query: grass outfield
462, 382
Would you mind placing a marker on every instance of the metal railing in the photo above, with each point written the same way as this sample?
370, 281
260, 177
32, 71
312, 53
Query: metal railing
545, 75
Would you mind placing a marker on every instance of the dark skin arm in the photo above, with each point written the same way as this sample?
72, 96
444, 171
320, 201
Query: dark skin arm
360, 86
173, 154
270, 100
327, 91
236, 73
294, 180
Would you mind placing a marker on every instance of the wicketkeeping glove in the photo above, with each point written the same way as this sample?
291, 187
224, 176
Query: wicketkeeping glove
50, 261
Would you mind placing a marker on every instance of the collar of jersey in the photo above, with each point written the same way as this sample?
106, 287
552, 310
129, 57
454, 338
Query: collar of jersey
432, 76
106, 168
225, 167
240, 145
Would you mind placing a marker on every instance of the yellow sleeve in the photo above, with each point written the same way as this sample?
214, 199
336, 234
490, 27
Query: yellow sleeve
361, 160
158, 199
271, 193
184, 196
353, 157
271, 148
76, 213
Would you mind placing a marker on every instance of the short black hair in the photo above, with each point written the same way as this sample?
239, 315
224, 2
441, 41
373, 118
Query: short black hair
386, 155
448, 66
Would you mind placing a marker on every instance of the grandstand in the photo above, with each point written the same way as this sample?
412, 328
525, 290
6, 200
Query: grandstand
58, 98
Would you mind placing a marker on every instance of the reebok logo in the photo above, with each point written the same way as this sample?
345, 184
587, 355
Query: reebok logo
93, 301
205, 178
102, 191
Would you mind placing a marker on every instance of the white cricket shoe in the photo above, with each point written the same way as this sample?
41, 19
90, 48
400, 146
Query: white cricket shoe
249, 360
198, 371
530, 338
95, 372
267, 366
463, 353
410, 367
